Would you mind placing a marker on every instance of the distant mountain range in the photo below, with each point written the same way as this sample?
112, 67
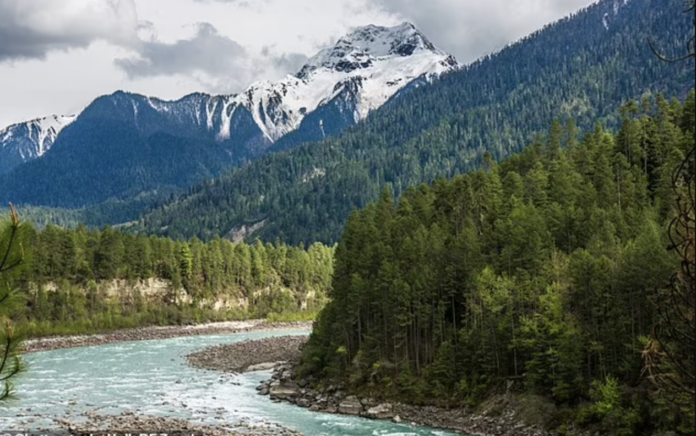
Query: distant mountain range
290, 160
125, 144
25, 141
582, 67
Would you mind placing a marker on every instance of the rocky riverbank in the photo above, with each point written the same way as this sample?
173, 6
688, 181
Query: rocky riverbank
127, 422
248, 355
150, 333
505, 415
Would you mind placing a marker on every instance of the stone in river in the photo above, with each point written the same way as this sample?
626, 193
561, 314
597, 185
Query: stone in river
350, 406
382, 411
281, 392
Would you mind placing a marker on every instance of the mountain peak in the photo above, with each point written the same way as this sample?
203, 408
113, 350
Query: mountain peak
21, 142
360, 47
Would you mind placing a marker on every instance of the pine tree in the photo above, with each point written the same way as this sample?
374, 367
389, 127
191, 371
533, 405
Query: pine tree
13, 262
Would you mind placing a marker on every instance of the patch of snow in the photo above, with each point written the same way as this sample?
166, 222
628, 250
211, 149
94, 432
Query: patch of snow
210, 112
48, 129
32, 139
226, 118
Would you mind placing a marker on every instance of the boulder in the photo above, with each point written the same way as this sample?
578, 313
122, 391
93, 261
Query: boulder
350, 406
381, 411
281, 392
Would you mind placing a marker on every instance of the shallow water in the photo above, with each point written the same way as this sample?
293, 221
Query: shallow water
152, 377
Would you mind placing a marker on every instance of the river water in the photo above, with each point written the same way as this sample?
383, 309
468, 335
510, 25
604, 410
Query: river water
152, 377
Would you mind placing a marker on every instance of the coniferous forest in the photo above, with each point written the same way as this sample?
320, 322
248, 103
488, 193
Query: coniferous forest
574, 68
539, 275
81, 280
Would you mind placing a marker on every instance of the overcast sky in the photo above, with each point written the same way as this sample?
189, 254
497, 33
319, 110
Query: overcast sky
56, 56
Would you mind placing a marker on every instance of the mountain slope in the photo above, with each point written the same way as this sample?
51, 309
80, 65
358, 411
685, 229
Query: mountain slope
125, 144
584, 66
22, 142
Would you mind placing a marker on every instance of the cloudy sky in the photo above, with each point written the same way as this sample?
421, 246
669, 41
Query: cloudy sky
58, 55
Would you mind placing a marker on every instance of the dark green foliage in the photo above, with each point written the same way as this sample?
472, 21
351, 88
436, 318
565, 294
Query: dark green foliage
14, 260
573, 68
85, 280
540, 271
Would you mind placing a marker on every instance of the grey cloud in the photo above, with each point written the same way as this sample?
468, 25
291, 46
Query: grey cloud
207, 52
217, 62
469, 29
30, 29
286, 62
18, 43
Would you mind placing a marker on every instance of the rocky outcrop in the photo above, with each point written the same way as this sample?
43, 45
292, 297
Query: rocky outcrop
502, 419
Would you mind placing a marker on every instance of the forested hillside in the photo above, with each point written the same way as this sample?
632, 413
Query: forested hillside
537, 275
88, 280
584, 66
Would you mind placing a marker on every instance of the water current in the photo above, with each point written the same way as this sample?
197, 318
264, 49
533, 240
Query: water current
152, 377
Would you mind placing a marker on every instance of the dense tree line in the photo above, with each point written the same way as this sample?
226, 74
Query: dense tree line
576, 68
75, 273
540, 272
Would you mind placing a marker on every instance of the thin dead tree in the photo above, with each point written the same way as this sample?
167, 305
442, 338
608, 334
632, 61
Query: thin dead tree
670, 356
690, 43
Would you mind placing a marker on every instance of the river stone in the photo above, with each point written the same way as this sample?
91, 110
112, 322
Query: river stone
281, 392
261, 366
382, 411
350, 406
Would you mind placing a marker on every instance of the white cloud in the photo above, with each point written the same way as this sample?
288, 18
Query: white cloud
30, 29
58, 55
470, 29
207, 51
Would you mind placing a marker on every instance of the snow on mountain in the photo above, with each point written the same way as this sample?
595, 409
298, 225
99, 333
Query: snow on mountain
372, 61
28, 140
371, 64
361, 72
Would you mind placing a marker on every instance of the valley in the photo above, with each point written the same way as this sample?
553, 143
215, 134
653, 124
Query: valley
344, 230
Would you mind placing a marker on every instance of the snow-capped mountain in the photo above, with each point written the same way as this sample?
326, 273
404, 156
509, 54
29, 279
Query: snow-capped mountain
127, 143
369, 65
358, 74
25, 141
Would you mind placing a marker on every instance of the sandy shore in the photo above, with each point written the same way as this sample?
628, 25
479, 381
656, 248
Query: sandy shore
152, 333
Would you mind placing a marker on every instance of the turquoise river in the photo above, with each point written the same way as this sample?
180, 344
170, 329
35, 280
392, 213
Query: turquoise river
152, 377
